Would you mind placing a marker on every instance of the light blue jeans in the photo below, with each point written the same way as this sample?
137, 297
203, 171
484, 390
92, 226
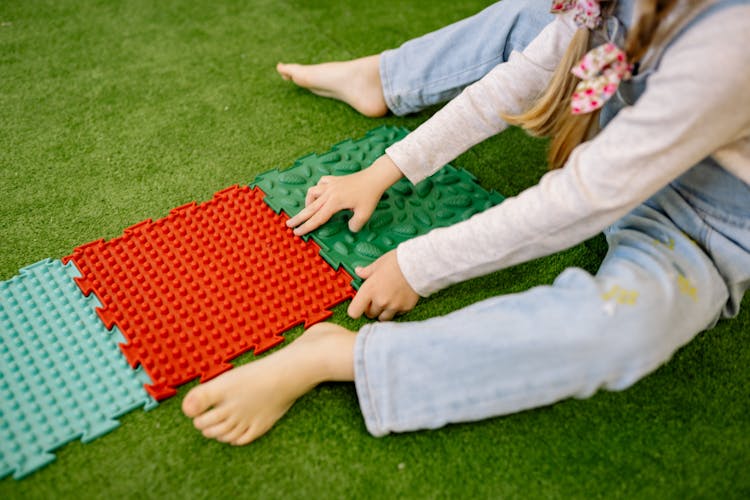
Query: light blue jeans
675, 265
434, 68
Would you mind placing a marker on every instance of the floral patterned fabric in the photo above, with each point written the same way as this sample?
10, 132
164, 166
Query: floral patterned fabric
601, 70
588, 13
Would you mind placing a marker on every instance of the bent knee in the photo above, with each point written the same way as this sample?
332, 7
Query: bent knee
642, 320
662, 323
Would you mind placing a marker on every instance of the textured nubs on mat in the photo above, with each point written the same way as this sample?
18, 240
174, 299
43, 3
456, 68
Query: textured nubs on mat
197, 288
62, 375
451, 195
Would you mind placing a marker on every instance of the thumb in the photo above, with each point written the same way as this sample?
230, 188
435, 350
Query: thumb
365, 272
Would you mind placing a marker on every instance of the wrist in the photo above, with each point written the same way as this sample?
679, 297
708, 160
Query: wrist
385, 173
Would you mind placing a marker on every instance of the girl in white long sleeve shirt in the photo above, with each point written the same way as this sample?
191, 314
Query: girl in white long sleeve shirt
668, 180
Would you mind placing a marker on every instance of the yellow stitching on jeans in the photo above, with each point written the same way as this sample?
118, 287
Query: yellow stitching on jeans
621, 295
687, 288
669, 244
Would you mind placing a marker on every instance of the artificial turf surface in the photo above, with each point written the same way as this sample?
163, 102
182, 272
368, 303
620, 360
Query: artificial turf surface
112, 112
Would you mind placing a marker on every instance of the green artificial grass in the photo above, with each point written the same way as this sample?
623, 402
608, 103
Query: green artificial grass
112, 112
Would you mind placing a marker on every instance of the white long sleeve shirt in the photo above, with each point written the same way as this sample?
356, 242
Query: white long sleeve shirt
697, 104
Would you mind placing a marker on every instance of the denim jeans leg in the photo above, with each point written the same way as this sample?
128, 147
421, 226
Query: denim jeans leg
654, 292
436, 67
722, 202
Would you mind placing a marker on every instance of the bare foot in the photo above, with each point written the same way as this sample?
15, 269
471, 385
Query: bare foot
355, 82
243, 404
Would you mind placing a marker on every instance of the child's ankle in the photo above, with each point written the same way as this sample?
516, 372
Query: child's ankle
331, 349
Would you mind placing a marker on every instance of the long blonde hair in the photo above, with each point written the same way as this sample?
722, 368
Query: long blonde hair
550, 116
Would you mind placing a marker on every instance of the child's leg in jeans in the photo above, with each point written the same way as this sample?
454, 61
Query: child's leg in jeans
435, 67
429, 69
654, 292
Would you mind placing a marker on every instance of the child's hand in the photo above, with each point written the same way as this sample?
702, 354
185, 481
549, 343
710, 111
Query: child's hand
385, 291
359, 192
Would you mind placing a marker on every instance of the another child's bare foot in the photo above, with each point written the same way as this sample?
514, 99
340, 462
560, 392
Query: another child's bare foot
243, 404
355, 82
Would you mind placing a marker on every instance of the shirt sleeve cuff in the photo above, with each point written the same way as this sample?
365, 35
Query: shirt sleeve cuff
409, 254
412, 170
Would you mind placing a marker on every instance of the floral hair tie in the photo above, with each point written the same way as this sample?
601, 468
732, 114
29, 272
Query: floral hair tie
601, 70
588, 13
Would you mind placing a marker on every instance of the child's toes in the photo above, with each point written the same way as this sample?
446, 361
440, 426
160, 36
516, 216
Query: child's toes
283, 71
246, 438
219, 430
233, 434
198, 400
210, 418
